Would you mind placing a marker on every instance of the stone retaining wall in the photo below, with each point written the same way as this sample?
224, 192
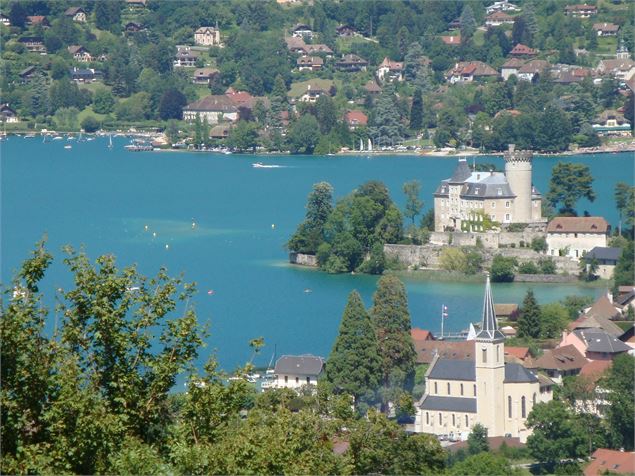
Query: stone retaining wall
492, 240
303, 259
545, 278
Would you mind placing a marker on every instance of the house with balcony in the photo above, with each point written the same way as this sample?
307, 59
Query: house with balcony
581, 10
351, 63
309, 63
469, 71
296, 371
606, 29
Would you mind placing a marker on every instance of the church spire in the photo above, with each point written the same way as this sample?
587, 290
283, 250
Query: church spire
489, 328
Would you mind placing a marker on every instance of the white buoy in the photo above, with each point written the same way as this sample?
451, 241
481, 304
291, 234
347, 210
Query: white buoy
154, 234
193, 225
273, 226
145, 227
167, 247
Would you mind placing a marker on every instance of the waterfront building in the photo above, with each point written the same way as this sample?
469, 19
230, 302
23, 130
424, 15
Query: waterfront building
295, 371
575, 236
469, 198
605, 258
484, 389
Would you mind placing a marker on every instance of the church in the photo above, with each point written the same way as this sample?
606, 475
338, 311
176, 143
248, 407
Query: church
470, 197
487, 390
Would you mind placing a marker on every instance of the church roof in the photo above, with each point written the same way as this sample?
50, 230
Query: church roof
516, 373
489, 327
451, 404
448, 369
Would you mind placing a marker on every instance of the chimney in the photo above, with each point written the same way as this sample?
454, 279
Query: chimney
511, 147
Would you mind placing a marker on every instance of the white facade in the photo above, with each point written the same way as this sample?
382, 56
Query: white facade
575, 236
207, 36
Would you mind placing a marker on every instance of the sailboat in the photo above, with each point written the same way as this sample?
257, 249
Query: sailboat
110, 141
370, 146
361, 145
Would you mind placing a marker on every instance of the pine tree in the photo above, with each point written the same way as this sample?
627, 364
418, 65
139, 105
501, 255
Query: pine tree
354, 366
416, 111
412, 61
468, 23
198, 137
387, 126
531, 24
279, 88
529, 321
391, 319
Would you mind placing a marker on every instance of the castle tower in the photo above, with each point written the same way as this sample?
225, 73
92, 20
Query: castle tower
490, 369
518, 173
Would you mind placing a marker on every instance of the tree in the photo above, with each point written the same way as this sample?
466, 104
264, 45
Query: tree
103, 102
243, 136
17, 14
108, 15
502, 269
304, 135
172, 103
554, 318
310, 234
557, 434
414, 205
453, 259
619, 384
412, 61
354, 366
90, 124
569, 183
483, 464
391, 320
416, 111
529, 320
477, 440
386, 124
625, 203
468, 23
624, 272
325, 113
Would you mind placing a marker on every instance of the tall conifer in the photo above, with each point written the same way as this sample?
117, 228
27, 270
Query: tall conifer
529, 321
354, 366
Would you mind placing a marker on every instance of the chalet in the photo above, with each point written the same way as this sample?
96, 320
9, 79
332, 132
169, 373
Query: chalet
133, 27
605, 258
317, 48
351, 63
185, 57
561, 362
511, 67
531, 69
502, 6
621, 69
309, 63
302, 31
7, 114
605, 461
312, 93
37, 20
34, 44
4, 20
451, 40
214, 108
355, 119
499, 18
207, 36
372, 88
78, 14
612, 124
389, 71
204, 75
346, 31
27, 74
574, 236
454, 24
522, 51
87, 75
580, 11
296, 371
221, 131
469, 71
606, 29
136, 4
294, 44
506, 312
80, 53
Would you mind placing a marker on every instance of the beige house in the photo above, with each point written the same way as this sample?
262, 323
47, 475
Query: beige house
469, 198
485, 389
207, 36
575, 236
296, 371
80, 53
214, 108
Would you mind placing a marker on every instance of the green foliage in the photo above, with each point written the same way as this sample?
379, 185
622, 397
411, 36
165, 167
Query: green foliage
416, 111
569, 183
539, 244
172, 104
90, 124
576, 304
528, 267
376, 262
354, 365
483, 464
547, 265
243, 136
621, 409
386, 127
477, 440
414, 204
625, 203
310, 233
554, 318
502, 269
529, 320
624, 272
304, 135
103, 102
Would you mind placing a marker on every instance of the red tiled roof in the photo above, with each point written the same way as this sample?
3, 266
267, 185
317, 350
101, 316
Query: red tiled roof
521, 49
420, 334
594, 370
578, 225
519, 352
451, 40
562, 358
356, 118
603, 460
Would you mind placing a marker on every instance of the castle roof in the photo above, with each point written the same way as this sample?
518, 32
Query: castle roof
489, 327
476, 184
461, 173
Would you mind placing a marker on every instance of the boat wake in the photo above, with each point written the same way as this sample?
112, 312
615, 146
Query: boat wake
260, 165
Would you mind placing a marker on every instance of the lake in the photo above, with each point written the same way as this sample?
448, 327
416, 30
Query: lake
103, 199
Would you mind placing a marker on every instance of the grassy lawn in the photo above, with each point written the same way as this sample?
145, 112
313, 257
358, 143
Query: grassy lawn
89, 112
607, 45
298, 88
92, 87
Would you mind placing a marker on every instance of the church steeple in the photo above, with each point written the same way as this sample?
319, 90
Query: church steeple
489, 327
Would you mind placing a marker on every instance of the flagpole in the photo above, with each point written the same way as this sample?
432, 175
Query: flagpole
442, 318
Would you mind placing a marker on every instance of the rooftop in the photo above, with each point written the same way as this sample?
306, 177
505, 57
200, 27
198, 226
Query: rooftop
562, 358
578, 225
598, 340
299, 364
452, 404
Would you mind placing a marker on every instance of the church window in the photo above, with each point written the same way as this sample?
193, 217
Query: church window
448, 388
509, 407
498, 351
523, 410
440, 418
484, 356
461, 389
436, 389
427, 418
475, 390
467, 423
453, 419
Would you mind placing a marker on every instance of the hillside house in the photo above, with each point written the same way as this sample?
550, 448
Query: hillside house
620, 69
574, 236
309, 63
37, 20
303, 31
532, 69
451, 40
561, 362
522, 51
568, 74
390, 71
312, 93
469, 71
133, 27
85, 75
136, 4
346, 31
605, 258
185, 57
207, 36
8, 114
79, 53
595, 344
296, 371
317, 48
27, 74
502, 6
372, 88
78, 14
612, 124
5, 20
355, 119
581, 11
606, 29
34, 44
214, 108
499, 18
204, 75
294, 44
351, 63
511, 67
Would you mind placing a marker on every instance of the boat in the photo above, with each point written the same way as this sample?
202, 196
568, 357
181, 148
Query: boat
68, 146
58, 138
260, 165
29, 136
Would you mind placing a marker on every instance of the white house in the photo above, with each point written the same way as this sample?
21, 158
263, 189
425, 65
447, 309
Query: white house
390, 70
7, 114
295, 371
78, 14
575, 236
207, 36
302, 31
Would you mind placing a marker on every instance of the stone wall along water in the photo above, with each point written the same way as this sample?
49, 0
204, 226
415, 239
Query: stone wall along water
303, 259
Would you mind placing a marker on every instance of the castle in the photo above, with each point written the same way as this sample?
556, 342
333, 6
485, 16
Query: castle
475, 201
487, 390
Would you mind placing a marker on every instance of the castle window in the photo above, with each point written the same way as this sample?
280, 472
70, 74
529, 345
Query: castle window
507, 217
507, 204
448, 388
484, 356
436, 389
427, 418
461, 389
493, 204
509, 407
523, 410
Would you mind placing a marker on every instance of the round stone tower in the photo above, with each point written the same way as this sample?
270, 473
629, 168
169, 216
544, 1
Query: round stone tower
518, 173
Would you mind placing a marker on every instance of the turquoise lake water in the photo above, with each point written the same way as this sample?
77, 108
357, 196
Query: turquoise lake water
103, 199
